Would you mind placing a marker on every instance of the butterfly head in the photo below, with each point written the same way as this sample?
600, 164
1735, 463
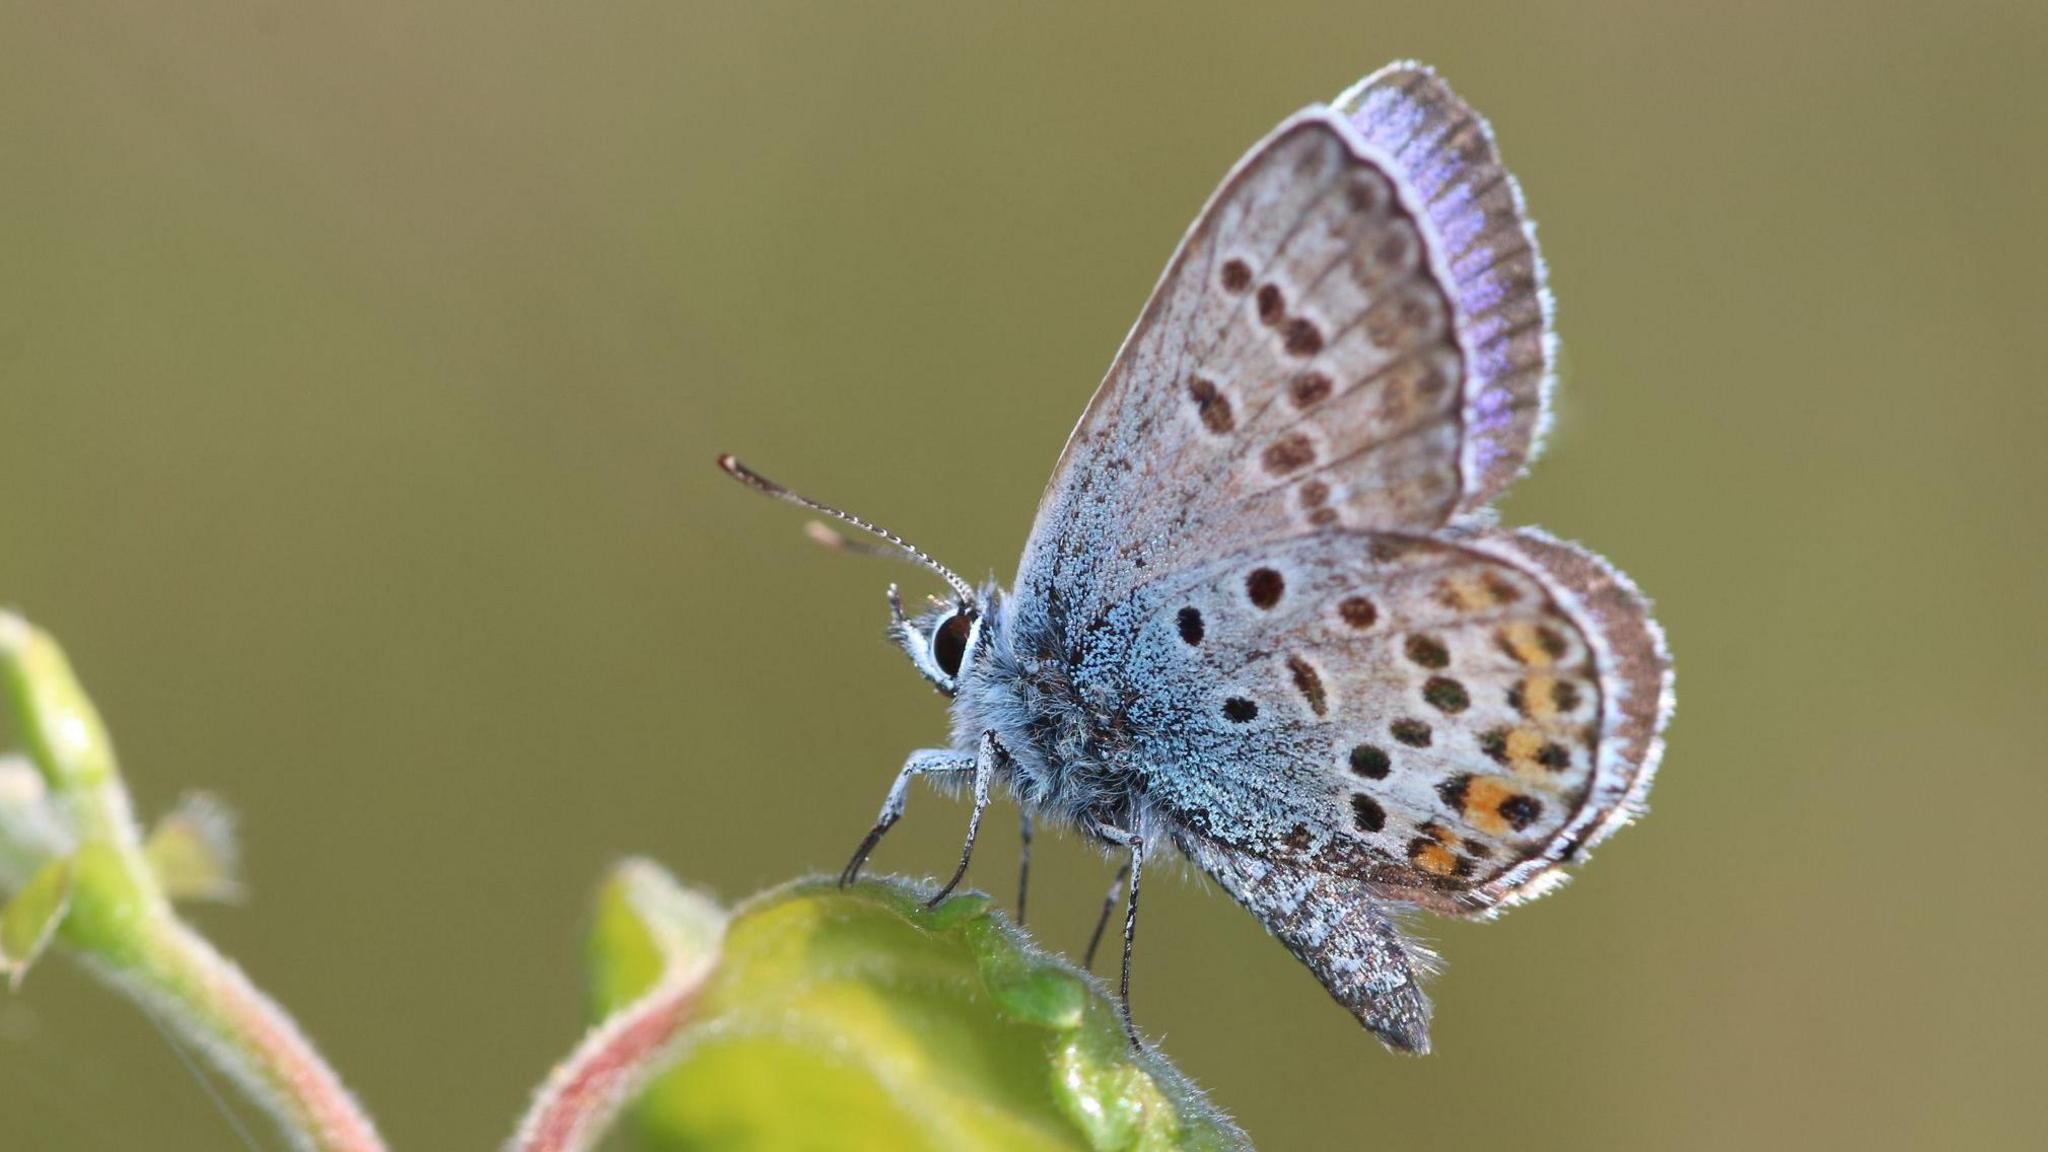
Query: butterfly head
943, 642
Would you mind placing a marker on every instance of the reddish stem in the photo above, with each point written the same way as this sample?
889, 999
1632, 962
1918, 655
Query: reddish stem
581, 1098
211, 1003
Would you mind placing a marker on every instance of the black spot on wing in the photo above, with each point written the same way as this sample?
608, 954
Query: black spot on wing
1366, 813
1370, 762
1265, 587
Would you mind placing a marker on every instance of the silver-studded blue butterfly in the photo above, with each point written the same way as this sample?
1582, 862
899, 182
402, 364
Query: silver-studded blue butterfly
1266, 615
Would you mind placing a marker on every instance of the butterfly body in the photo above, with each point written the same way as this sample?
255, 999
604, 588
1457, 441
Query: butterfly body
1062, 719
1266, 614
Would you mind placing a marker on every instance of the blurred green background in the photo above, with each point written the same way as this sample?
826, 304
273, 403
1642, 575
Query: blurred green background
361, 368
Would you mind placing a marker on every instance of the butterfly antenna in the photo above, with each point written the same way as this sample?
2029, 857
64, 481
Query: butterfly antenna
832, 540
766, 487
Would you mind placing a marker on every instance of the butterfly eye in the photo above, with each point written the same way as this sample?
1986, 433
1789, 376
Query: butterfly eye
949, 642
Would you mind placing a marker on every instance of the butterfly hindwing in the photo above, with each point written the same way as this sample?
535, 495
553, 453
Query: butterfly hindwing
1627, 650
1446, 720
1336, 927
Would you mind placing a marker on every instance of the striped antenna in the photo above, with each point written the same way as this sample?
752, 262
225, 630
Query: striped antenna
766, 487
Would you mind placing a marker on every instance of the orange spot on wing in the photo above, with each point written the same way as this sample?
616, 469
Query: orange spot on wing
1483, 798
1435, 859
1524, 642
1464, 592
1523, 744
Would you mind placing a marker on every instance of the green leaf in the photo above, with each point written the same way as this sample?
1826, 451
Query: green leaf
31, 918
857, 1018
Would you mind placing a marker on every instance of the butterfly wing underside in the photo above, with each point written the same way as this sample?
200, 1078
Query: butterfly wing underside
1344, 936
1354, 696
1375, 720
1447, 721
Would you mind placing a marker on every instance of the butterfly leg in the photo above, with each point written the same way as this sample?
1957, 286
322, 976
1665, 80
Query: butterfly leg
1116, 889
928, 762
1123, 988
984, 774
1137, 866
1023, 863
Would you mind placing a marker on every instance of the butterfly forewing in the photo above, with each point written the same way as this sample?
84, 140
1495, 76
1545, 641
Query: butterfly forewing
1445, 720
1488, 250
1297, 370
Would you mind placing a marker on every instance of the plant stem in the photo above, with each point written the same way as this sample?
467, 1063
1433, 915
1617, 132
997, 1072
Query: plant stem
123, 926
207, 1000
676, 930
583, 1096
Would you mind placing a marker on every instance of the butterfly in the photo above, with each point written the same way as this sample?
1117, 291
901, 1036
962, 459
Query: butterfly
1266, 616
